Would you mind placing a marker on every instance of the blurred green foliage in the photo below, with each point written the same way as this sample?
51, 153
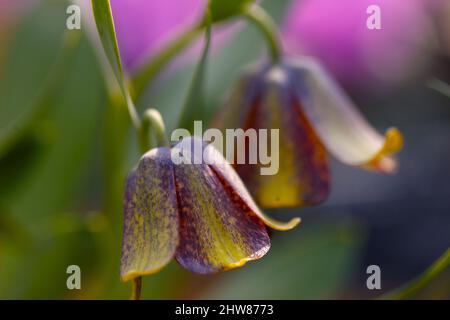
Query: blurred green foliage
55, 125
65, 147
30, 62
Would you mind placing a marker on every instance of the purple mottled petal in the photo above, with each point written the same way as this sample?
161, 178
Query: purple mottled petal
341, 127
231, 180
150, 235
303, 177
264, 99
218, 231
246, 90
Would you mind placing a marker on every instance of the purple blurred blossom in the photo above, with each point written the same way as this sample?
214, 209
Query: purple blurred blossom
336, 32
144, 26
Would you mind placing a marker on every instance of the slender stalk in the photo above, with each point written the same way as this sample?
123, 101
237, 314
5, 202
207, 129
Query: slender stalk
137, 286
416, 285
149, 71
194, 105
267, 26
152, 122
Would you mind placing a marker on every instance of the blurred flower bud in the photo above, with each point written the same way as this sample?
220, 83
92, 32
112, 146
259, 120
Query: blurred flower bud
314, 116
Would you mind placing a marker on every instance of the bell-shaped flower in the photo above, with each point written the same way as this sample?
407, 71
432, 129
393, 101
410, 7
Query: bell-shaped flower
197, 211
314, 117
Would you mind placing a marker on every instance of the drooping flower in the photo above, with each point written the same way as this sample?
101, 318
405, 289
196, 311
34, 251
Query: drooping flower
201, 214
314, 117
337, 33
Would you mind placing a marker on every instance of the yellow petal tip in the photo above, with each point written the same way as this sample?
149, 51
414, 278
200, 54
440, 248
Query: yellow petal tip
243, 261
383, 161
293, 223
130, 275
282, 226
393, 143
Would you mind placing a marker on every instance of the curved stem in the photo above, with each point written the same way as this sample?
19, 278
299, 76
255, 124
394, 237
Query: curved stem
416, 285
149, 71
267, 26
152, 122
137, 285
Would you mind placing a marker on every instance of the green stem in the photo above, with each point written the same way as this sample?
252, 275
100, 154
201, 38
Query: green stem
137, 285
267, 26
194, 106
148, 72
152, 123
416, 285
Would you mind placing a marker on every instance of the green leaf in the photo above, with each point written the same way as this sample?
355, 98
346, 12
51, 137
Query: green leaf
414, 287
194, 105
105, 27
224, 9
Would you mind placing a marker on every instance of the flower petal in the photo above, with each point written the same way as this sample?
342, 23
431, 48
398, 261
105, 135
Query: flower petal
237, 189
341, 127
150, 235
303, 176
246, 90
217, 231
